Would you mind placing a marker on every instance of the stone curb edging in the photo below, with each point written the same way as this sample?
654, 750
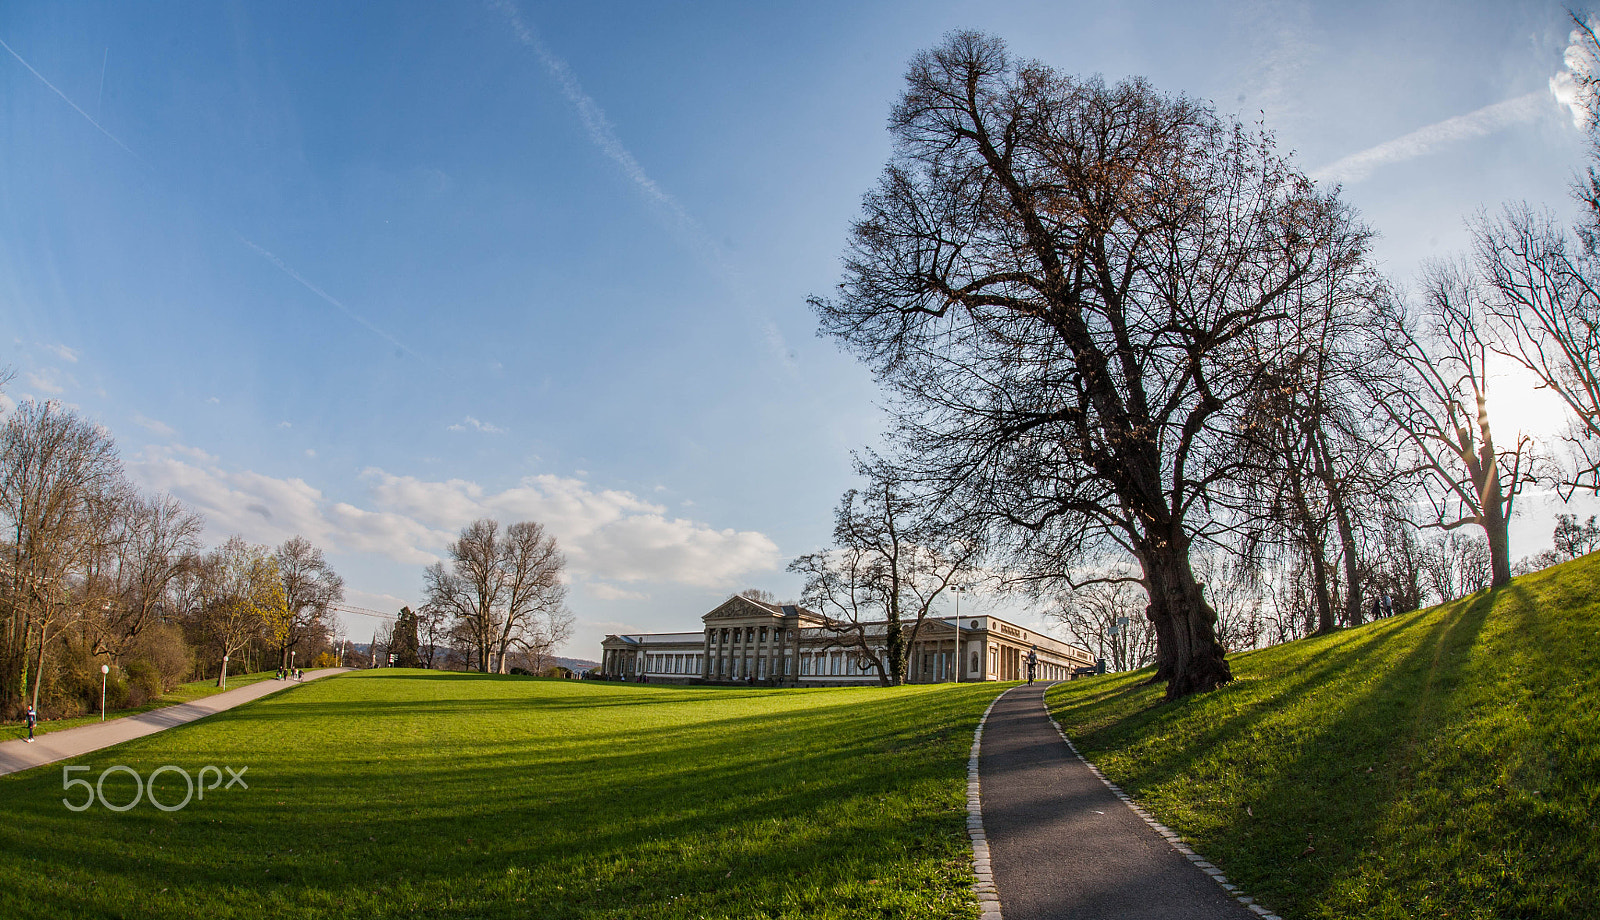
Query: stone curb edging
988, 894
1167, 833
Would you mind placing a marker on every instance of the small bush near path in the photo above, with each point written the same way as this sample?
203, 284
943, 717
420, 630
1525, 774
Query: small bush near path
1444, 763
400, 793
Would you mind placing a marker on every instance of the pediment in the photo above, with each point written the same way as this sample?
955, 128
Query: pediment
741, 608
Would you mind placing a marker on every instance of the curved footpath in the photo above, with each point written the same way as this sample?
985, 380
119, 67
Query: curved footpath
1063, 846
18, 755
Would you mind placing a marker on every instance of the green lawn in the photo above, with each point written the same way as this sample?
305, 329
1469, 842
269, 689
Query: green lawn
1444, 763
416, 793
184, 693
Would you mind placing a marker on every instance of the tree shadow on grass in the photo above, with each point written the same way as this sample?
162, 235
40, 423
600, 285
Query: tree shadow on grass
1352, 748
793, 813
1227, 716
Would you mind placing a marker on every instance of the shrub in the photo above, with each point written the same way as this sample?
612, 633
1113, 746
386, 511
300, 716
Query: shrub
163, 646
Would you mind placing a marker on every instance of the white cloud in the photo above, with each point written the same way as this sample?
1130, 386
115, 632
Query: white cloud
152, 425
311, 453
265, 509
607, 534
63, 352
1566, 86
607, 592
45, 381
285, 425
475, 425
6, 404
213, 400
1487, 120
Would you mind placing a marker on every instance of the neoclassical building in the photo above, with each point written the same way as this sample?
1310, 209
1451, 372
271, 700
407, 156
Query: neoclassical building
747, 640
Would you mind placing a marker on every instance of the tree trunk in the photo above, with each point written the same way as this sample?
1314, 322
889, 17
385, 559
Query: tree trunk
1496, 529
1188, 656
1316, 549
38, 675
1353, 606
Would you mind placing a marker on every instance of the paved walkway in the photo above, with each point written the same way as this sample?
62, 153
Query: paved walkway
1063, 846
19, 755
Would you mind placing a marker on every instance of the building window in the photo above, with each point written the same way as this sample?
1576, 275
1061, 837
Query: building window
763, 634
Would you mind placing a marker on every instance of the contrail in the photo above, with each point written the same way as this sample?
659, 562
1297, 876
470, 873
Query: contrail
101, 128
1487, 120
604, 136
595, 122
264, 253
283, 266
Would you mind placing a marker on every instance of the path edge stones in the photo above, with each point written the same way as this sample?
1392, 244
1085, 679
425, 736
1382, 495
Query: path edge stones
984, 888
1166, 833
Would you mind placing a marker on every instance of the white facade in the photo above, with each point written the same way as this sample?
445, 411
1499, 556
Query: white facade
750, 641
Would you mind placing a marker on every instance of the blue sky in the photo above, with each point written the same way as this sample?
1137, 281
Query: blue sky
367, 272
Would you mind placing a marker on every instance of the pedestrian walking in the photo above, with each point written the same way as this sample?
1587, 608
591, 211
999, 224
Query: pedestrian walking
33, 719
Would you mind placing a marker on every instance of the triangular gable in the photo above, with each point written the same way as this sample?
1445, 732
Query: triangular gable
741, 607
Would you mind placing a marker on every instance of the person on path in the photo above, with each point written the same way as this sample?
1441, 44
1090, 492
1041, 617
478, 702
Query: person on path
1033, 663
33, 719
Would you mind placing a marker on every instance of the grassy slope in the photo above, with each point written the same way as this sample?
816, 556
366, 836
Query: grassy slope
183, 693
1444, 763
396, 793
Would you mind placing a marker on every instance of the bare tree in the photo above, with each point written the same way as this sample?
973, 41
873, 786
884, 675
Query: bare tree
1457, 565
432, 626
877, 586
1322, 468
240, 592
1573, 539
1545, 293
1109, 616
1234, 589
57, 472
1066, 285
310, 589
502, 589
151, 541
1437, 397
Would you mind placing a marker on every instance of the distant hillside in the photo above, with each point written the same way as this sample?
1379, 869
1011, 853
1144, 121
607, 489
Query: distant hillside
1444, 763
577, 664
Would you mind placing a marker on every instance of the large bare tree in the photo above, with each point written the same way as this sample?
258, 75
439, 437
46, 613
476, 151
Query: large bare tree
310, 589
502, 589
1437, 396
1065, 285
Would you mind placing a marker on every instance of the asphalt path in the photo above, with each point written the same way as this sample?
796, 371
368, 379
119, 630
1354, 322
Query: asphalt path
19, 755
1063, 847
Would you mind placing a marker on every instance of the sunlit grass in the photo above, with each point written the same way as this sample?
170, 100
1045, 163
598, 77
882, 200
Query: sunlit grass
1444, 763
414, 793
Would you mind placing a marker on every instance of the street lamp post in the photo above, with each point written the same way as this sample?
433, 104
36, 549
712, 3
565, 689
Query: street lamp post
959, 590
224, 672
105, 670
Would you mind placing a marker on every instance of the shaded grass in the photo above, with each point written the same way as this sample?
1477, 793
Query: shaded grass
183, 693
1444, 763
394, 793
